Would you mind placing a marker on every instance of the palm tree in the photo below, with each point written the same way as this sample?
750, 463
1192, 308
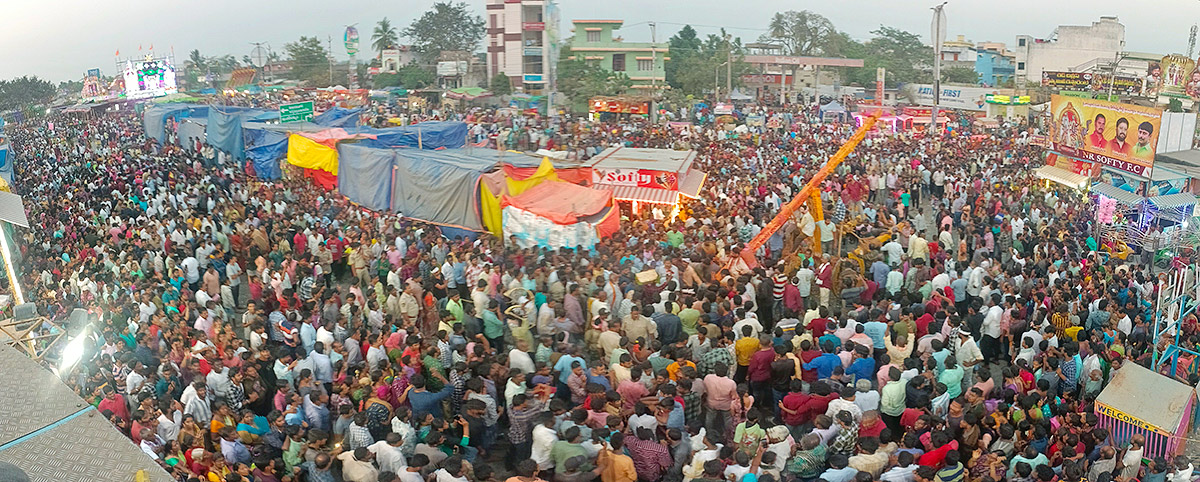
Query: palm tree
195, 61
385, 36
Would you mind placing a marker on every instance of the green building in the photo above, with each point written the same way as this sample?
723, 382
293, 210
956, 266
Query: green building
597, 44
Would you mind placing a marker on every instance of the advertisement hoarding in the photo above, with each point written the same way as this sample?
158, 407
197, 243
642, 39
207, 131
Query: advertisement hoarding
1093, 82
965, 98
1176, 74
636, 177
1120, 136
350, 38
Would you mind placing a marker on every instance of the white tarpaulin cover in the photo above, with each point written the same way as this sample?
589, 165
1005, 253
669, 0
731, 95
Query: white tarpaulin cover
533, 230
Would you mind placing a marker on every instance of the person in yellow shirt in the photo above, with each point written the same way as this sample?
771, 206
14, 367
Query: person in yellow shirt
615, 466
680, 356
743, 349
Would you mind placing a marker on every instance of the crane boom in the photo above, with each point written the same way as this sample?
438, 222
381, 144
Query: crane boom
806, 192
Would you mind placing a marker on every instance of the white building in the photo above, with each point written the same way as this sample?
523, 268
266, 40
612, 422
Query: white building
1071, 48
523, 42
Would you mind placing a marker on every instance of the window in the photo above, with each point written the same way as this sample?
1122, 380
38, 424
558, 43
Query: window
1020, 42
593, 36
618, 62
645, 65
1020, 65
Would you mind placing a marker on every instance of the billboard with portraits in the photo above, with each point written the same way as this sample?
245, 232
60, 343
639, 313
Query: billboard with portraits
1115, 135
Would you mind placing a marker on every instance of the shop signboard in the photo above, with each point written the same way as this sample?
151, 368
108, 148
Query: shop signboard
636, 177
1120, 136
298, 112
723, 109
1168, 186
1007, 99
1092, 81
533, 26
1121, 180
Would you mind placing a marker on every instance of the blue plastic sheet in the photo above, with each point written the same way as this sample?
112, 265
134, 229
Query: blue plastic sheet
338, 117
224, 129
426, 135
365, 175
264, 149
154, 118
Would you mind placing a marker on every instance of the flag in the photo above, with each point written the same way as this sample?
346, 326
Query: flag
151, 46
117, 53
139, 47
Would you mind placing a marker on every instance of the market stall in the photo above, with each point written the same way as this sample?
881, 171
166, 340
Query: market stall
1124, 409
639, 175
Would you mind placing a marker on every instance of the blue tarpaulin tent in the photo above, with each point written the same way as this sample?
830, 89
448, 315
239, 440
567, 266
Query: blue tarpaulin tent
365, 175
264, 148
338, 117
436, 186
427, 135
154, 118
225, 123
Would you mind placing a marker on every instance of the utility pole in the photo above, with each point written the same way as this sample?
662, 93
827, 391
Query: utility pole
653, 67
939, 36
329, 44
728, 70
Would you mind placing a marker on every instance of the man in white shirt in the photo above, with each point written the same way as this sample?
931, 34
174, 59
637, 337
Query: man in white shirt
543, 440
388, 455
357, 467
991, 330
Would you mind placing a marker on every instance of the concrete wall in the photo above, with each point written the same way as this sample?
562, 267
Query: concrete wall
1071, 47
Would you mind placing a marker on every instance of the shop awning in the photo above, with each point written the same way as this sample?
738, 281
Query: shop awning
692, 182
1176, 200
1122, 196
1061, 176
641, 194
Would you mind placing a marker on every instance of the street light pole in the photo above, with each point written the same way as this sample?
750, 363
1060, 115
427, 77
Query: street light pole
939, 35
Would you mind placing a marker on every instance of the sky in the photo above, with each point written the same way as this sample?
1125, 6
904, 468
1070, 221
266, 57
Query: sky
60, 39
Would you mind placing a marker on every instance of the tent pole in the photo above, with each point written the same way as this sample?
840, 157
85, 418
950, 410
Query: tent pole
420, 145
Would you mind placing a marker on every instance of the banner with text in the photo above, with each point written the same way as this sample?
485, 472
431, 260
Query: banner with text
1120, 136
636, 177
1093, 82
965, 98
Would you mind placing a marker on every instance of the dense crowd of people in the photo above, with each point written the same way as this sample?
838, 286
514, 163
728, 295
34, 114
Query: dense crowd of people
941, 320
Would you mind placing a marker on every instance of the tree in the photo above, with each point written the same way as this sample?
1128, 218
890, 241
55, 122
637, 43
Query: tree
960, 75
445, 27
310, 61
804, 33
500, 84
684, 45
906, 58
580, 81
385, 36
195, 61
25, 92
413, 76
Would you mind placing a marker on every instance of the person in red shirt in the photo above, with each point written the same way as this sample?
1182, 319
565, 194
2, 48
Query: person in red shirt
817, 325
818, 403
792, 408
936, 457
808, 353
114, 402
759, 371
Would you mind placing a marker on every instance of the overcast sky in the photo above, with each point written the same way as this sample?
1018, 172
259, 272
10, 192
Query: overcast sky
61, 39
